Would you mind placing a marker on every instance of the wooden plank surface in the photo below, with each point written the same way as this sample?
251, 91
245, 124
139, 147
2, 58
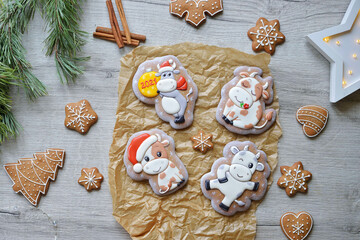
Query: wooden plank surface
301, 76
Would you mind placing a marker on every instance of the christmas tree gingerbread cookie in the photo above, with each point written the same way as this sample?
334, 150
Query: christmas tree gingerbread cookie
237, 178
242, 106
166, 83
150, 155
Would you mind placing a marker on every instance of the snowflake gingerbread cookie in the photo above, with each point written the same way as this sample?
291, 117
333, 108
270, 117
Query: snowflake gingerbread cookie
80, 116
202, 142
294, 179
266, 35
237, 178
242, 106
165, 82
195, 10
90, 178
296, 226
150, 155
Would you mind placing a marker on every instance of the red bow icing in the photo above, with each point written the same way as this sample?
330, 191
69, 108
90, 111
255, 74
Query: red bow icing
181, 84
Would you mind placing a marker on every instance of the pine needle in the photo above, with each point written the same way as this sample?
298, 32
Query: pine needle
14, 18
65, 38
9, 127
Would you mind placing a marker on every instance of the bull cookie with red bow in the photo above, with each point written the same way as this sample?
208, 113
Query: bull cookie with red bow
242, 106
166, 83
150, 155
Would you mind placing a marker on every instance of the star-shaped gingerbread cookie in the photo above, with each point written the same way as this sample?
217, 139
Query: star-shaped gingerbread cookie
90, 178
80, 116
294, 179
202, 142
266, 35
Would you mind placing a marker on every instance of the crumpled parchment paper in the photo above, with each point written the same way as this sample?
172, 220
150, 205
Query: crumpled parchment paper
186, 214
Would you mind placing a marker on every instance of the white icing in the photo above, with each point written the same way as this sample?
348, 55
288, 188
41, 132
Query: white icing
170, 105
241, 96
90, 179
291, 180
238, 175
78, 117
202, 141
170, 174
144, 146
266, 35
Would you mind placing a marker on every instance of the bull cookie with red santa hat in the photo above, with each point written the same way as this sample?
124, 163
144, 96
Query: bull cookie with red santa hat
164, 82
150, 155
242, 108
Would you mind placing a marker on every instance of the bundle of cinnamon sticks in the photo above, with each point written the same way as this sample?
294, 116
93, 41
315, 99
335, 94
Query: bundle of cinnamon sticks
114, 34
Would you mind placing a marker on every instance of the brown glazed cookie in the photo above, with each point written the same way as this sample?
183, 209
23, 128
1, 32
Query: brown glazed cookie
296, 226
80, 116
202, 142
236, 179
31, 176
266, 35
294, 179
195, 9
150, 155
165, 83
90, 178
313, 118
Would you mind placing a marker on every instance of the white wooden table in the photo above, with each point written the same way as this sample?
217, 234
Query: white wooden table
301, 77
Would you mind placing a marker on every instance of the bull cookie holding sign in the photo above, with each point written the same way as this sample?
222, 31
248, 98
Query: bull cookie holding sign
242, 106
237, 178
166, 83
150, 155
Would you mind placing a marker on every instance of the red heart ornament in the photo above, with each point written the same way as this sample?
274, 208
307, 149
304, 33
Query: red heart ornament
296, 226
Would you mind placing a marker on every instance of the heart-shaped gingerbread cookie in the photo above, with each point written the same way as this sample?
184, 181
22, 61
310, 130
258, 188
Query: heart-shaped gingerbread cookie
296, 226
313, 118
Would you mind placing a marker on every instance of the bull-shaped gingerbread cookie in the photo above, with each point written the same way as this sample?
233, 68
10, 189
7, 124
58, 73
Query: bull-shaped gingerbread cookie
165, 83
242, 106
237, 178
150, 155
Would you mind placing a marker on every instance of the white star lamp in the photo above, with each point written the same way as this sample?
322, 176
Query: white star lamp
341, 46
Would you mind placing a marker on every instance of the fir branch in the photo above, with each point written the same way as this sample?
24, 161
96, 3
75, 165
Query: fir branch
65, 38
14, 18
9, 127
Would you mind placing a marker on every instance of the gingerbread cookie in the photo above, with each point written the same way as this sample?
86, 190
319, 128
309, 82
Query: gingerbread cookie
294, 179
242, 106
31, 176
296, 226
195, 9
237, 178
80, 116
202, 142
313, 118
90, 178
150, 155
165, 83
266, 35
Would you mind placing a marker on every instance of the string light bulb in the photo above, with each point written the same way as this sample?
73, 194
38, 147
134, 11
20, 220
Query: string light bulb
338, 42
344, 82
354, 55
350, 72
358, 41
326, 39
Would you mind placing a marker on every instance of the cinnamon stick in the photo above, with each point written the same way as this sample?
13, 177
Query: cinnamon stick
114, 24
123, 19
111, 37
133, 35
